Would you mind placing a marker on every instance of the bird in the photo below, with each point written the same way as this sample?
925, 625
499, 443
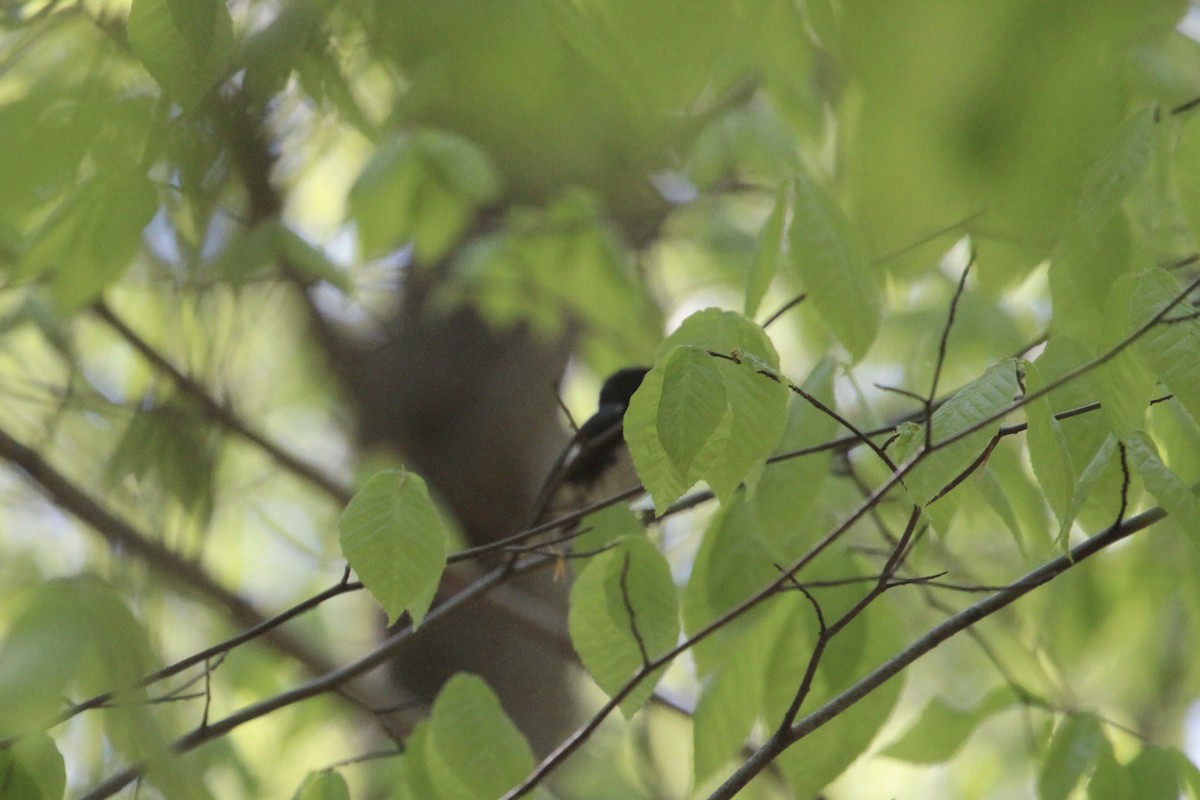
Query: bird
596, 464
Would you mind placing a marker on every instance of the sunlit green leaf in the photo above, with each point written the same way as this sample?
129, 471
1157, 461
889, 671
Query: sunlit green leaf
787, 493
473, 750
394, 538
1171, 492
624, 614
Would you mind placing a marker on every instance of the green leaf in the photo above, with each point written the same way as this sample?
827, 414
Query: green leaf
91, 238
721, 451
624, 613
1189, 774
394, 538
833, 265
417, 778
603, 526
1077, 745
819, 758
424, 188
1092, 474
32, 769
40, 654
1083, 268
644, 422
693, 413
184, 44
1123, 383
1168, 349
767, 250
1048, 450
1185, 170
981, 399
1168, 489
473, 750
732, 696
1110, 781
1154, 774
328, 784
175, 446
1120, 164
942, 729
789, 490
732, 564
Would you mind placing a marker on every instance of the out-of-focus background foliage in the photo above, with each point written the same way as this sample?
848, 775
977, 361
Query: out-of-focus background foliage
251, 252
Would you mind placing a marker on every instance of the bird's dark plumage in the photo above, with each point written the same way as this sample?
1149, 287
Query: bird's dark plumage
598, 464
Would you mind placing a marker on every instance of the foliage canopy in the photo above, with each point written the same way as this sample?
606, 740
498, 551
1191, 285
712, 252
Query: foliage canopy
917, 284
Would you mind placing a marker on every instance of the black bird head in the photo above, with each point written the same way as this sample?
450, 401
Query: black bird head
598, 463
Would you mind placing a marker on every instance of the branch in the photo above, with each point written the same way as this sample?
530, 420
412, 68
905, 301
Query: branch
331, 680
220, 413
181, 572
934, 637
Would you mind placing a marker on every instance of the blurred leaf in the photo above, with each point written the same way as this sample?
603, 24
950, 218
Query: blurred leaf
819, 758
553, 267
1120, 164
732, 564
395, 540
1082, 270
602, 527
785, 496
834, 268
942, 729
423, 187
91, 238
743, 143
1168, 347
767, 253
1048, 451
184, 44
32, 769
41, 653
1123, 384
417, 778
1078, 745
327, 784
624, 611
1172, 493
176, 446
979, 400
732, 695
473, 750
